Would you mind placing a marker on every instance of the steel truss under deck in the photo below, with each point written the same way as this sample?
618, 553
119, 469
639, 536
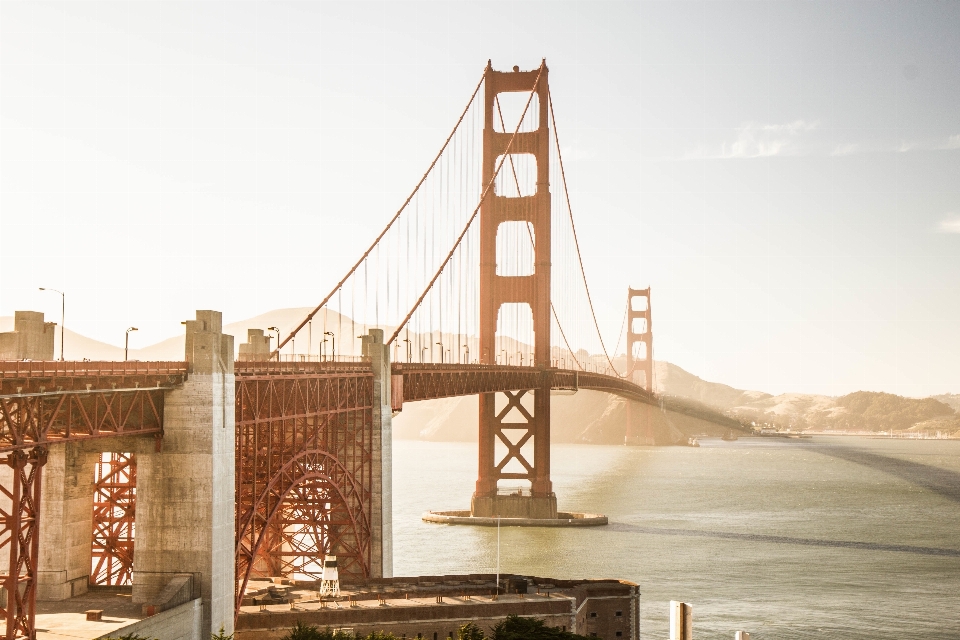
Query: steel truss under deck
114, 519
304, 469
45, 403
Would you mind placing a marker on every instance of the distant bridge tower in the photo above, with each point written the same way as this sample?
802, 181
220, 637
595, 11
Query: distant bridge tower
514, 425
639, 364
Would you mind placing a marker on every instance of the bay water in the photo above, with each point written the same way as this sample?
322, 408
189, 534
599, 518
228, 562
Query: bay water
832, 537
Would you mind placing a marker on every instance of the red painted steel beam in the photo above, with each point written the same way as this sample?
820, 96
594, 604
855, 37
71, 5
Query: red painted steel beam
19, 533
114, 518
31, 419
304, 468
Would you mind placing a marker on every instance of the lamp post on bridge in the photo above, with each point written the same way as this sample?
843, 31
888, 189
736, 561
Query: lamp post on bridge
441, 351
126, 343
467, 357
409, 348
333, 340
276, 330
520, 355
422, 350
63, 314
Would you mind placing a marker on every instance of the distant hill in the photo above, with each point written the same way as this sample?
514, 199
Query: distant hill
951, 399
671, 380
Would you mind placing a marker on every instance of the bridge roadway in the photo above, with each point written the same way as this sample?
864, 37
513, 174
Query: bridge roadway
43, 403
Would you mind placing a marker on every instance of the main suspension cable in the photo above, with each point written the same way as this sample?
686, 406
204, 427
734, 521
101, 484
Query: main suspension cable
473, 216
576, 242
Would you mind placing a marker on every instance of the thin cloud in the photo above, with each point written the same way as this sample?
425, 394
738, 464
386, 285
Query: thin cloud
950, 224
756, 140
953, 142
845, 149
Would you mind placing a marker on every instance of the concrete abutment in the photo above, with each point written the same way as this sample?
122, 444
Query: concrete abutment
186, 490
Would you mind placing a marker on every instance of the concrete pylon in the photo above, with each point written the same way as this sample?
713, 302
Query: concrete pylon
381, 511
66, 513
681, 621
185, 490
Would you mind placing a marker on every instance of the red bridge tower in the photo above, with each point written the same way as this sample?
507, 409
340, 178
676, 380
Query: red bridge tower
532, 289
639, 364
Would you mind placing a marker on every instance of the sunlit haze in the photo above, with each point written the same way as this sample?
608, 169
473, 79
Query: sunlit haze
784, 175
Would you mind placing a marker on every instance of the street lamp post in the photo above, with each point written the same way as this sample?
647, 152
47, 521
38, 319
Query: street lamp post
333, 343
409, 347
422, 350
441, 351
276, 330
63, 309
126, 343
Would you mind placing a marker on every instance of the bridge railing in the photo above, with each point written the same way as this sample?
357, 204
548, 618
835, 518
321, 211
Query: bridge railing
342, 364
82, 368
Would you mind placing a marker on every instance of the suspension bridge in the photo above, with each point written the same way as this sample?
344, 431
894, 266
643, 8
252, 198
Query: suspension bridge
264, 464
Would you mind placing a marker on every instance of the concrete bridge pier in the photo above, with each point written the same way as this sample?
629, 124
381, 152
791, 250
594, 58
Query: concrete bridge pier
185, 541
381, 521
66, 516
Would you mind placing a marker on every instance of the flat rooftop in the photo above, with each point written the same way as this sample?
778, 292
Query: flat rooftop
67, 620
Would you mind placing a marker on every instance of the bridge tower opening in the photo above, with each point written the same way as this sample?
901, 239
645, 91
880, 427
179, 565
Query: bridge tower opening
531, 208
639, 365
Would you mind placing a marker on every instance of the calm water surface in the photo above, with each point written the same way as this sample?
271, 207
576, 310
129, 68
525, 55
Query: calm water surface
823, 538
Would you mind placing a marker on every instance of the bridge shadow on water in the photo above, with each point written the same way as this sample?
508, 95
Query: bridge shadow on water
943, 482
807, 542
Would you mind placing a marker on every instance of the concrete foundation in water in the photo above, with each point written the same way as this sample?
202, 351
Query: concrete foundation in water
562, 519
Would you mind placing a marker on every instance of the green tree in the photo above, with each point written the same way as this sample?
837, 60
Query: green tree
222, 635
309, 632
517, 628
470, 631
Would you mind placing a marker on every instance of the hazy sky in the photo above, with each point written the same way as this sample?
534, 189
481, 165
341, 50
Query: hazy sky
785, 175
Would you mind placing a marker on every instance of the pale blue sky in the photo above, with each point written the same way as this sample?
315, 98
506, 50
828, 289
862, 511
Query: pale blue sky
785, 175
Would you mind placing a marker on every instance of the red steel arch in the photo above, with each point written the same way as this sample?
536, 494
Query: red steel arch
306, 428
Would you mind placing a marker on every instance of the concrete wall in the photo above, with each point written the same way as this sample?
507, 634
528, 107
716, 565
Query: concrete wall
606, 613
179, 623
31, 338
406, 621
185, 493
382, 508
257, 346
